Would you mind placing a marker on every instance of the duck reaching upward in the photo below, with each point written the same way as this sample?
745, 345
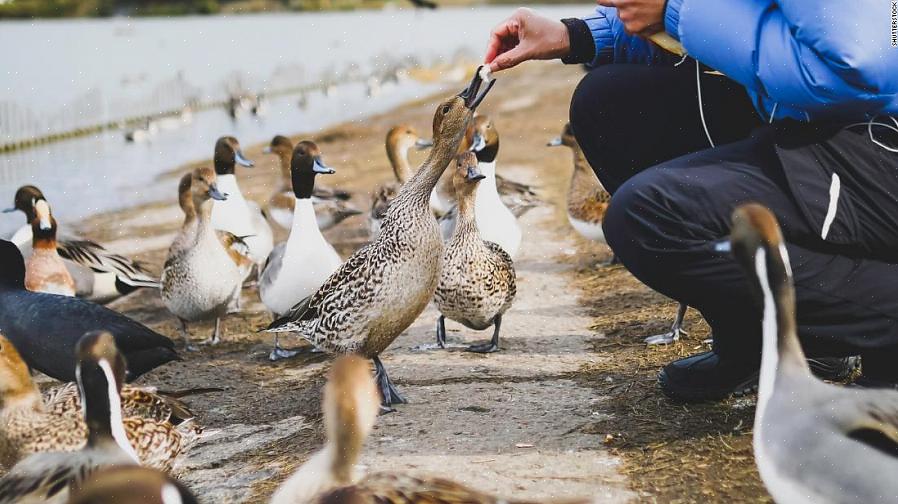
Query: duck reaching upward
331, 204
477, 280
384, 286
235, 214
199, 278
48, 477
45, 327
45, 271
814, 442
132, 485
496, 222
297, 268
400, 140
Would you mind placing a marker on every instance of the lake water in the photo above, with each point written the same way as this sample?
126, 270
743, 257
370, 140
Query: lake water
92, 70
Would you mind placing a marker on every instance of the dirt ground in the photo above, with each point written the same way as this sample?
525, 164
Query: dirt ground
569, 407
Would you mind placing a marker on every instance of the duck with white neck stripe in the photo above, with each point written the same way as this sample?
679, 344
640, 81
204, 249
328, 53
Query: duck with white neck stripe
49, 477
297, 268
814, 442
235, 214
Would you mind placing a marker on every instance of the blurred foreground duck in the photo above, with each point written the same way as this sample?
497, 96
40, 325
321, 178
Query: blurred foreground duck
98, 274
44, 270
131, 485
54, 422
379, 291
48, 477
477, 279
813, 441
400, 140
234, 213
331, 204
200, 278
495, 221
46, 327
297, 268
350, 408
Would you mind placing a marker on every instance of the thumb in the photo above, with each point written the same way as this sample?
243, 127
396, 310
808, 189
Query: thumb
509, 59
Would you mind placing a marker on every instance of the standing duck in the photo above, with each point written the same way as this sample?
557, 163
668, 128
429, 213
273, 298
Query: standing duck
331, 207
49, 476
496, 222
400, 140
384, 286
477, 279
234, 213
45, 271
297, 268
200, 280
45, 327
99, 275
131, 485
350, 410
813, 441
32, 424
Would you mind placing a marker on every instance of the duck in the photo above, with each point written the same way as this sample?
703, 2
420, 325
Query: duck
350, 409
383, 287
495, 221
297, 268
477, 279
143, 133
200, 279
331, 204
400, 140
131, 485
45, 271
813, 441
46, 327
49, 476
99, 275
34, 423
235, 214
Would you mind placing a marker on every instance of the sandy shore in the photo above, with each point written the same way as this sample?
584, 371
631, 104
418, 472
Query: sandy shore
532, 421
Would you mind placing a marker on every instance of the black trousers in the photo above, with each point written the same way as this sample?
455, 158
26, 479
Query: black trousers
673, 194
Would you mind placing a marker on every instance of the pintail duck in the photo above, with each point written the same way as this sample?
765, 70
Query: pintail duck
383, 287
49, 476
45, 271
477, 278
813, 441
235, 214
54, 422
331, 204
350, 408
131, 485
297, 268
496, 222
99, 275
200, 280
400, 139
46, 327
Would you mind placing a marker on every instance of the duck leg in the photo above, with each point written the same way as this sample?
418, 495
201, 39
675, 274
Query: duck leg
675, 330
493, 345
441, 331
185, 336
388, 392
216, 333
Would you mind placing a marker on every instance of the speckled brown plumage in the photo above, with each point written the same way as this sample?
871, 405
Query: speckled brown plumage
587, 200
388, 488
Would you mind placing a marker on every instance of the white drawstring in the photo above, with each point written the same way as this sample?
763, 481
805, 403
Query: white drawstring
773, 112
701, 110
873, 122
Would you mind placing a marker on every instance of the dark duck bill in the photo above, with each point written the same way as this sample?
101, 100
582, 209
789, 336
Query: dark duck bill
472, 95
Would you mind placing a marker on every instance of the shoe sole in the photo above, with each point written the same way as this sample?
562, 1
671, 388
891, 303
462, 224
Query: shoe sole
704, 394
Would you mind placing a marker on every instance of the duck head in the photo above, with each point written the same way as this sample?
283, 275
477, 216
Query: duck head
12, 274
281, 147
466, 176
203, 187
350, 406
43, 225
228, 155
100, 372
185, 197
567, 138
401, 139
304, 166
454, 114
24, 201
16, 385
483, 139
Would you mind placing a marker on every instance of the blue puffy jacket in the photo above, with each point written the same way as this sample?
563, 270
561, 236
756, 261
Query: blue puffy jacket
821, 59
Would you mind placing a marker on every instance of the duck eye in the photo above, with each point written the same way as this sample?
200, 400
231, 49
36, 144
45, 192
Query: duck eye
445, 109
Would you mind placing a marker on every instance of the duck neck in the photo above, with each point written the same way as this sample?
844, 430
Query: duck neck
419, 187
466, 223
102, 409
24, 397
398, 155
186, 203
304, 220
228, 185
203, 218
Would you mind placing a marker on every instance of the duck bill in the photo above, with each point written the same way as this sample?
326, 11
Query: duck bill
555, 142
320, 168
423, 143
478, 142
241, 159
474, 174
472, 95
9, 210
216, 194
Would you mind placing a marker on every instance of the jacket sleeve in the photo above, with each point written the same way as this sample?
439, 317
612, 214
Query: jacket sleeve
820, 55
613, 44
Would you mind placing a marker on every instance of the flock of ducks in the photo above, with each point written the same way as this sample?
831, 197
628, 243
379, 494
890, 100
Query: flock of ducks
446, 232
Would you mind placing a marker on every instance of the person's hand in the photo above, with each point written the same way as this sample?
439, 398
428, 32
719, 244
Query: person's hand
526, 36
640, 17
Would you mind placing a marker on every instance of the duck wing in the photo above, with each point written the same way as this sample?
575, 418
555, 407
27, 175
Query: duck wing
389, 488
94, 256
326, 192
508, 186
48, 477
870, 416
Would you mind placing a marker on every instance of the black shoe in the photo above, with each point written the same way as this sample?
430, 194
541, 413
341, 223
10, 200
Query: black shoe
707, 377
